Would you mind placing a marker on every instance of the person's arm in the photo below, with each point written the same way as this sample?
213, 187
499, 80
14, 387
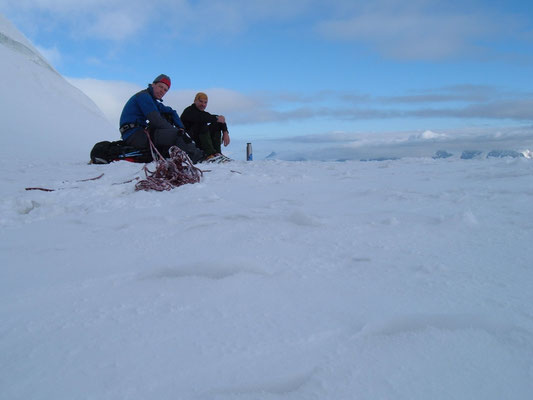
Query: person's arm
157, 121
177, 120
225, 138
175, 117
151, 111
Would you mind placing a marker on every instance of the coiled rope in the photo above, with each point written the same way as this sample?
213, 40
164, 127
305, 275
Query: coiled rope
170, 172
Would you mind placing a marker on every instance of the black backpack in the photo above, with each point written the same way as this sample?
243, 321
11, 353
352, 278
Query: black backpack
106, 152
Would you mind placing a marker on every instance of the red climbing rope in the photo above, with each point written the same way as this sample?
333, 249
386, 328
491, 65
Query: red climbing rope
172, 172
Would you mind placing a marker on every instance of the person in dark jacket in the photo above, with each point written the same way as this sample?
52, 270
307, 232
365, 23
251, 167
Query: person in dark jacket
145, 109
209, 131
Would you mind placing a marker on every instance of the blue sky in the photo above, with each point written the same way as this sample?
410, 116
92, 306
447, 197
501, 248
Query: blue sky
278, 68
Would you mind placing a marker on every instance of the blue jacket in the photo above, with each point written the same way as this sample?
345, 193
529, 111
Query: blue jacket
143, 109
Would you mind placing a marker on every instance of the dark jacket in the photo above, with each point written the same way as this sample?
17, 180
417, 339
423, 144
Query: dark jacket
143, 109
192, 116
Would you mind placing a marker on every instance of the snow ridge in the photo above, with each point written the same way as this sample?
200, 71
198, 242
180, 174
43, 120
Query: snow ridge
21, 48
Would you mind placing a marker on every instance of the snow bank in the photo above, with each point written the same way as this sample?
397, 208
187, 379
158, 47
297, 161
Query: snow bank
402, 279
43, 116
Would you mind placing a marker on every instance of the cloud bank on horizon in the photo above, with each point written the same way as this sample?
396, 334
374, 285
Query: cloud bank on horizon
306, 68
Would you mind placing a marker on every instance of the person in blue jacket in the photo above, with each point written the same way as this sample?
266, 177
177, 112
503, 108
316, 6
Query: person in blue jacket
145, 110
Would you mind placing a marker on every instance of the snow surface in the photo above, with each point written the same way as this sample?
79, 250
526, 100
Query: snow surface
43, 116
401, 279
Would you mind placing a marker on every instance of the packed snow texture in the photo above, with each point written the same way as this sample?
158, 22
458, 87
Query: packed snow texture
43, 116
402, 279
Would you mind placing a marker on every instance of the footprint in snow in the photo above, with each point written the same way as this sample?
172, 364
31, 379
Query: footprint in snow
302, 219
214, 271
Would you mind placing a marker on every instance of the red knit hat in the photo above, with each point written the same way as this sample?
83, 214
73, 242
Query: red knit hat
164, 79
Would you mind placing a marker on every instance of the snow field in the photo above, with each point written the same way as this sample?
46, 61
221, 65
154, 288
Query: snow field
403, 279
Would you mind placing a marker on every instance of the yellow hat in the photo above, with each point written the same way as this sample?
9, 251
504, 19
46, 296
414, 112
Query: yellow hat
200, 95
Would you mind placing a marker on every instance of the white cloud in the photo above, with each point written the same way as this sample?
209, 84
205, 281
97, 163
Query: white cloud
399, 144
119, 19
103, 19
111, 96
115, 25
428, 135
419, 29
467, 103
411, 34
426, 29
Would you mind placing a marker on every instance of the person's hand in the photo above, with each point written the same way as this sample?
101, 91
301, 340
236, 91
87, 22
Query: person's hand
225, 138
221, 119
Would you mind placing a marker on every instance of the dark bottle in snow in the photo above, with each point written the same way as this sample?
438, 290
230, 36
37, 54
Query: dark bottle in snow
249, 154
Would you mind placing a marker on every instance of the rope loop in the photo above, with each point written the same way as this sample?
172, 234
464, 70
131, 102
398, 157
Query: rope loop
172, 172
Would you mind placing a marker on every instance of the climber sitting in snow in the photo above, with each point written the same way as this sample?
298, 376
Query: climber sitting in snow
145, 109
207, 130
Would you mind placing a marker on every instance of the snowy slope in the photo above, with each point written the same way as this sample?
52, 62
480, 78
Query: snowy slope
407, 279
42, 114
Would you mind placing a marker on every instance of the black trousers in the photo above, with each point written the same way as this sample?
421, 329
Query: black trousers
163, 140
208, 137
